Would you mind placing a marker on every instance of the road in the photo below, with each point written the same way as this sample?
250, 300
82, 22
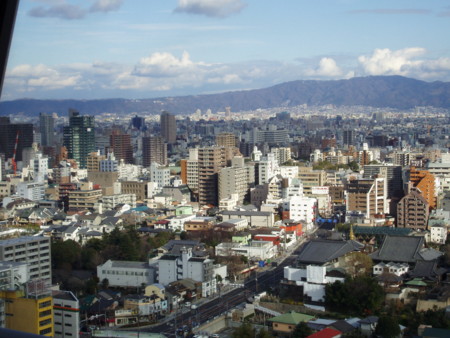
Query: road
256, 283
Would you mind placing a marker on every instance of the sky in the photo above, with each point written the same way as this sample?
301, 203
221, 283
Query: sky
96, 49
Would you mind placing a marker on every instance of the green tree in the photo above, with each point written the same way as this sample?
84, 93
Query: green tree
263, 333
302, 330
243, 331
387, 327
359, 295
65, 254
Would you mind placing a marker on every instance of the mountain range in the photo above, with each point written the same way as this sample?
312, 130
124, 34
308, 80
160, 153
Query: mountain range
396, 92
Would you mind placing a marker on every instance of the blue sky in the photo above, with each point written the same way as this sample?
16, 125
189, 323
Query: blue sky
93, 49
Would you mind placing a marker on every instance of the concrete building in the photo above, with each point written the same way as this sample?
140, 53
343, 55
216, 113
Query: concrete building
160, 174
93, 161
237, 179
66, 311
111, 201
142, 189
300, 208
227, 140
30, 312
210, 161
173, 267
189, 170
46, 127
168, 127
121, 146
34, 191
413, 211
311, 178
256, 219
126, 274
425, 182
35, 251
84, 199
282, 155
368, 196
9, 133
110, 164
154, 150
438, 234
79, 137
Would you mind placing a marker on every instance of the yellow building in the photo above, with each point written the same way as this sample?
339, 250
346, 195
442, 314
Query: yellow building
32, 315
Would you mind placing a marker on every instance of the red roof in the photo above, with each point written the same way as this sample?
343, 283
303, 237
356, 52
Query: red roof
326, 333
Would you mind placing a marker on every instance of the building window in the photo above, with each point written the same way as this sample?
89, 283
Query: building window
45, 331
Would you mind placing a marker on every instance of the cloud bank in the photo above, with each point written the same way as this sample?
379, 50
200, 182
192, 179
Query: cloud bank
212, 8
166, 74
63, 10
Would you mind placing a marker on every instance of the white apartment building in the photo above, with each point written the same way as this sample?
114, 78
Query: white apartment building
110, 202
110, 164
301, 209
176, 267
289, 171
160, 174
39, 167
282, 154
438, 234
267, 168
313, 278
126, 273
33, 250
236, 179
66, 314
255, 250
177, 223
34, 191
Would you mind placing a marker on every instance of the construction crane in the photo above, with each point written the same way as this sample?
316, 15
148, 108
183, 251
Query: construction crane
13, 161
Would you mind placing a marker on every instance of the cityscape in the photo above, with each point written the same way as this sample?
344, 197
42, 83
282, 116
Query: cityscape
222, 203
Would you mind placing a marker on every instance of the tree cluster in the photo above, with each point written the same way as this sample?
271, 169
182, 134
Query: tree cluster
359, 295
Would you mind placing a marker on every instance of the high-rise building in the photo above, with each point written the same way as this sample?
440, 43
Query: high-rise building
424, 181
237, 179
79, 137
46, 126
168, 127
349, 137
9, 133
210, 161
121, 146
138, 123
154, 150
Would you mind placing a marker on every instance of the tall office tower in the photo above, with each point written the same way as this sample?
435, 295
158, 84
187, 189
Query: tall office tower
168, 127
121, 146
138, 123
46, 126
79, 137
226, 140
154, 150
349, 137
210, 161
9, 133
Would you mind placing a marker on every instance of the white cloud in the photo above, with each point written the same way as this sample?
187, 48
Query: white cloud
327, 68
388, 62
166, 65
63, 10
213, 8
32, 77
106, 5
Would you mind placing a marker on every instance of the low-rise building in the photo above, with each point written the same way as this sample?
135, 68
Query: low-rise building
126, 274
